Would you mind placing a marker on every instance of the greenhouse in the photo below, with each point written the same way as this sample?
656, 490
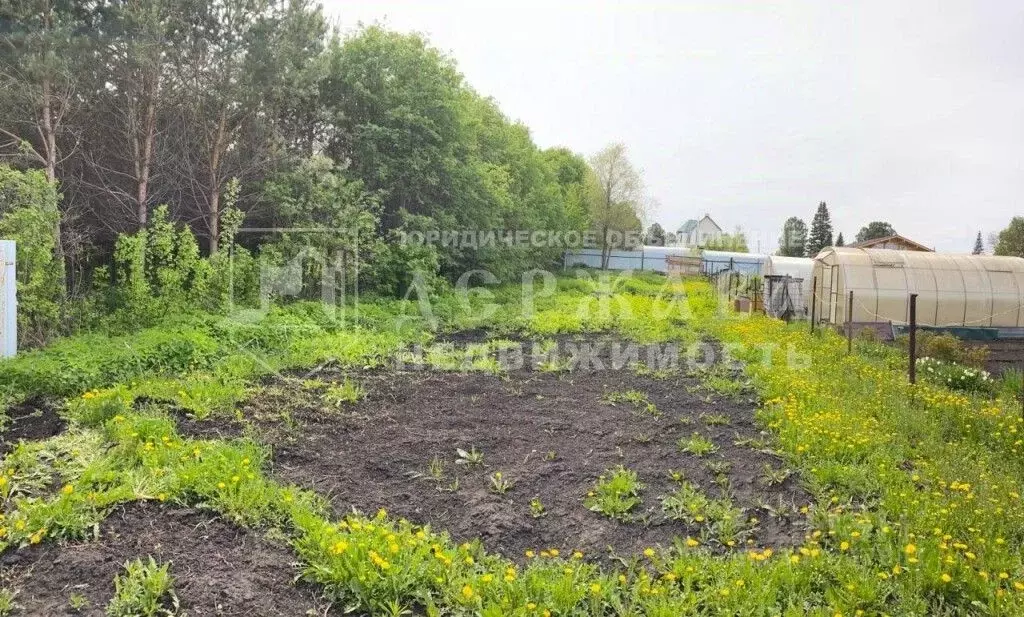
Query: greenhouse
974, 291
652, 258
714, 262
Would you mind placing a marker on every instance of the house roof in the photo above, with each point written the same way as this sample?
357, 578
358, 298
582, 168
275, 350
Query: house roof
691, 224
688, 226
708, 217
876, 241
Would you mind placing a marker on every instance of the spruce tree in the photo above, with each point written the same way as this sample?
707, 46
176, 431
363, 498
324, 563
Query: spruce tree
839, 240
979, 246
821, 231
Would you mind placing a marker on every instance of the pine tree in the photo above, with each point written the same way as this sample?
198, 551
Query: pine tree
839, 240
821, 231
979, 246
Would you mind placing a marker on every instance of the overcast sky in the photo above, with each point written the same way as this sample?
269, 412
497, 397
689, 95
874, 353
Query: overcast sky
905, 111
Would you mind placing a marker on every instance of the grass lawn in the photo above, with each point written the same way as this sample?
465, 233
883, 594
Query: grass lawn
627, 449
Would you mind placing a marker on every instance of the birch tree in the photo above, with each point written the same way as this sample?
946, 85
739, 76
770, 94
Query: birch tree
617, 197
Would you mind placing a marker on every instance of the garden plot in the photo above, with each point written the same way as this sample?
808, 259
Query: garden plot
215, 567
588, 460
32, 420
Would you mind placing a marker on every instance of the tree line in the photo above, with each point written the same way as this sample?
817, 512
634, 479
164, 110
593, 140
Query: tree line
128, 105
796, 242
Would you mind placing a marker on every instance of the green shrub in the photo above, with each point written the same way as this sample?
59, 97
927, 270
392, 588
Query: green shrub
29, 216
947, 348
954, 376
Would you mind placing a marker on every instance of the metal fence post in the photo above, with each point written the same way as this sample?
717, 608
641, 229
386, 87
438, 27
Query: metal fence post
913, 338
849, 324
1022, 392
814, 299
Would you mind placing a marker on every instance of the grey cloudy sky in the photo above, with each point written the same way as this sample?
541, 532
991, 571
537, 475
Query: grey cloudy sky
905, 111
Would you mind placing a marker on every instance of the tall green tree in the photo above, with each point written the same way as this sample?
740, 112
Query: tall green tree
655, 235
573, 177
42, 47
617, 198
839, 240
237, 60
821, 231
39, 53
979, 246
793, 241
1011, 239
397, 106
875, 229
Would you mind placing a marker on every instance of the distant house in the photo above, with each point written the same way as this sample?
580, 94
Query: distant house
895, 241
697, 233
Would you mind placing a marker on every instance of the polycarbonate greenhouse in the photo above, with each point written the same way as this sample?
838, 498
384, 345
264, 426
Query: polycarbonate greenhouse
952, 290
714, 262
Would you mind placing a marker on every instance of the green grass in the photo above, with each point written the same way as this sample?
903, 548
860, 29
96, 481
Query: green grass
918, 488
638, 400
718, 518
347, 392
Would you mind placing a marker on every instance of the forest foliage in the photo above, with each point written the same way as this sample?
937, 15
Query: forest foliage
174, 118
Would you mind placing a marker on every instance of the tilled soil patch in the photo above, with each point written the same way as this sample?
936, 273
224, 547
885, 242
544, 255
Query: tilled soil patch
218, 568
551, 433
33, 419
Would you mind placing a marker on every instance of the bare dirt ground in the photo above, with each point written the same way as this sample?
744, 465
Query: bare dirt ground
551, 433
30, 420
218, 568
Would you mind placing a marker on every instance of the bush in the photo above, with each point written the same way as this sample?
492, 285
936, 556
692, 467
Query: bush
29, 216
948, 348
954, 376
158, 272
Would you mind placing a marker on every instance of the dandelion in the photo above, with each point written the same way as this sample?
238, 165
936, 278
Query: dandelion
68, 489
946, 578
467, 592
